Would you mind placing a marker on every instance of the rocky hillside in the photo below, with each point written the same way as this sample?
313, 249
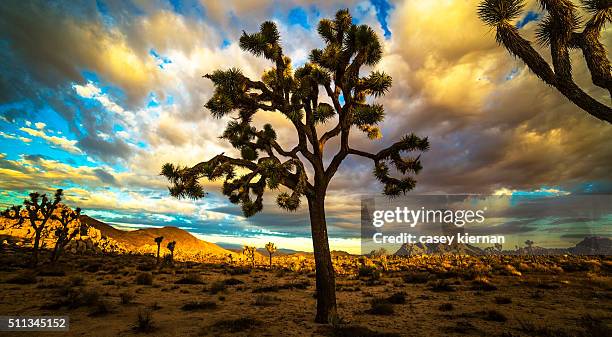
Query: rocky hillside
593, 245
143, 239
433, 248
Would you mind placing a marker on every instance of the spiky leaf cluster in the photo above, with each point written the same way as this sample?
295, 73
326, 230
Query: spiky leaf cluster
404, 165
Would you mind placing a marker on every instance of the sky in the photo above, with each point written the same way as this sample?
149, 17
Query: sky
96, 96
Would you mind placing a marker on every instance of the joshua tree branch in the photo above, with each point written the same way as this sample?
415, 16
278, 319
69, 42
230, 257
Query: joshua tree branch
522, 48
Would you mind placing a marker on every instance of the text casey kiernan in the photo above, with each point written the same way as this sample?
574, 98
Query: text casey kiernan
459, 238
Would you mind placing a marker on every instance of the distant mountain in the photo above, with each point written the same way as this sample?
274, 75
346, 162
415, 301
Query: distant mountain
139, 238
408, 249
593, 245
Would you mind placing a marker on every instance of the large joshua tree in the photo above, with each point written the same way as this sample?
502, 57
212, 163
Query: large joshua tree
263, 163
559, 31
38, 211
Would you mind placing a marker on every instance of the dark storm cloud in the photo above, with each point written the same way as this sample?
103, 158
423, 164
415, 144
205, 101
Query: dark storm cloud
109, 151
105, 177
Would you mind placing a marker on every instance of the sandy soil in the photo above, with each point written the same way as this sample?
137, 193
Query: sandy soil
103, 298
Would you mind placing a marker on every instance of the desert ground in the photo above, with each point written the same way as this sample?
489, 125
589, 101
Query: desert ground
129, 295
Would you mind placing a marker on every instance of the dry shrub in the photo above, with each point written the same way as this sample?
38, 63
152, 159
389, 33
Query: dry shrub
380, 306
144, 321
191, 278
199, 305
144, 279
266, 300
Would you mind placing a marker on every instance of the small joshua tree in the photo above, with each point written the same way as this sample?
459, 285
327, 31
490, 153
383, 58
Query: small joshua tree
334, 74
559, 30
230, 257
66, 231
249, 252
38, 211
271, 248
171, 246
158, 241
529, 244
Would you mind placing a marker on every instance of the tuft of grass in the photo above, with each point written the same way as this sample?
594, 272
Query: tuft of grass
191, 278
503, 300
266, 300
101, 308
77, 280
494, 316
397, 298
144, 279
441, 286
237, 325
144, 321
24, 277
446, 307
380, 306
217, 287
232, 281
126, 297
199, 305
416, 277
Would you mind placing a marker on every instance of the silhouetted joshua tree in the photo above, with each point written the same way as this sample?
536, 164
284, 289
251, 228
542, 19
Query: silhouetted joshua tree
295, 94
249, 252
529, 244
271, 248
559, 30
66, 231
171, 246
38, 211
158, 241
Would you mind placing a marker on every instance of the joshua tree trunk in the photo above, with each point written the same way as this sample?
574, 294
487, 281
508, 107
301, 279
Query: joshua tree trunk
56, 250
270, 259
158, 245
36, 249
326, 285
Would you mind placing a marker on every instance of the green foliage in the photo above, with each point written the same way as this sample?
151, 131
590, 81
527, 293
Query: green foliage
323, 113
367, 114
265, 42
495, 12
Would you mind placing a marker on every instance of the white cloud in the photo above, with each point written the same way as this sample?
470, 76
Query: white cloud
60, 142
